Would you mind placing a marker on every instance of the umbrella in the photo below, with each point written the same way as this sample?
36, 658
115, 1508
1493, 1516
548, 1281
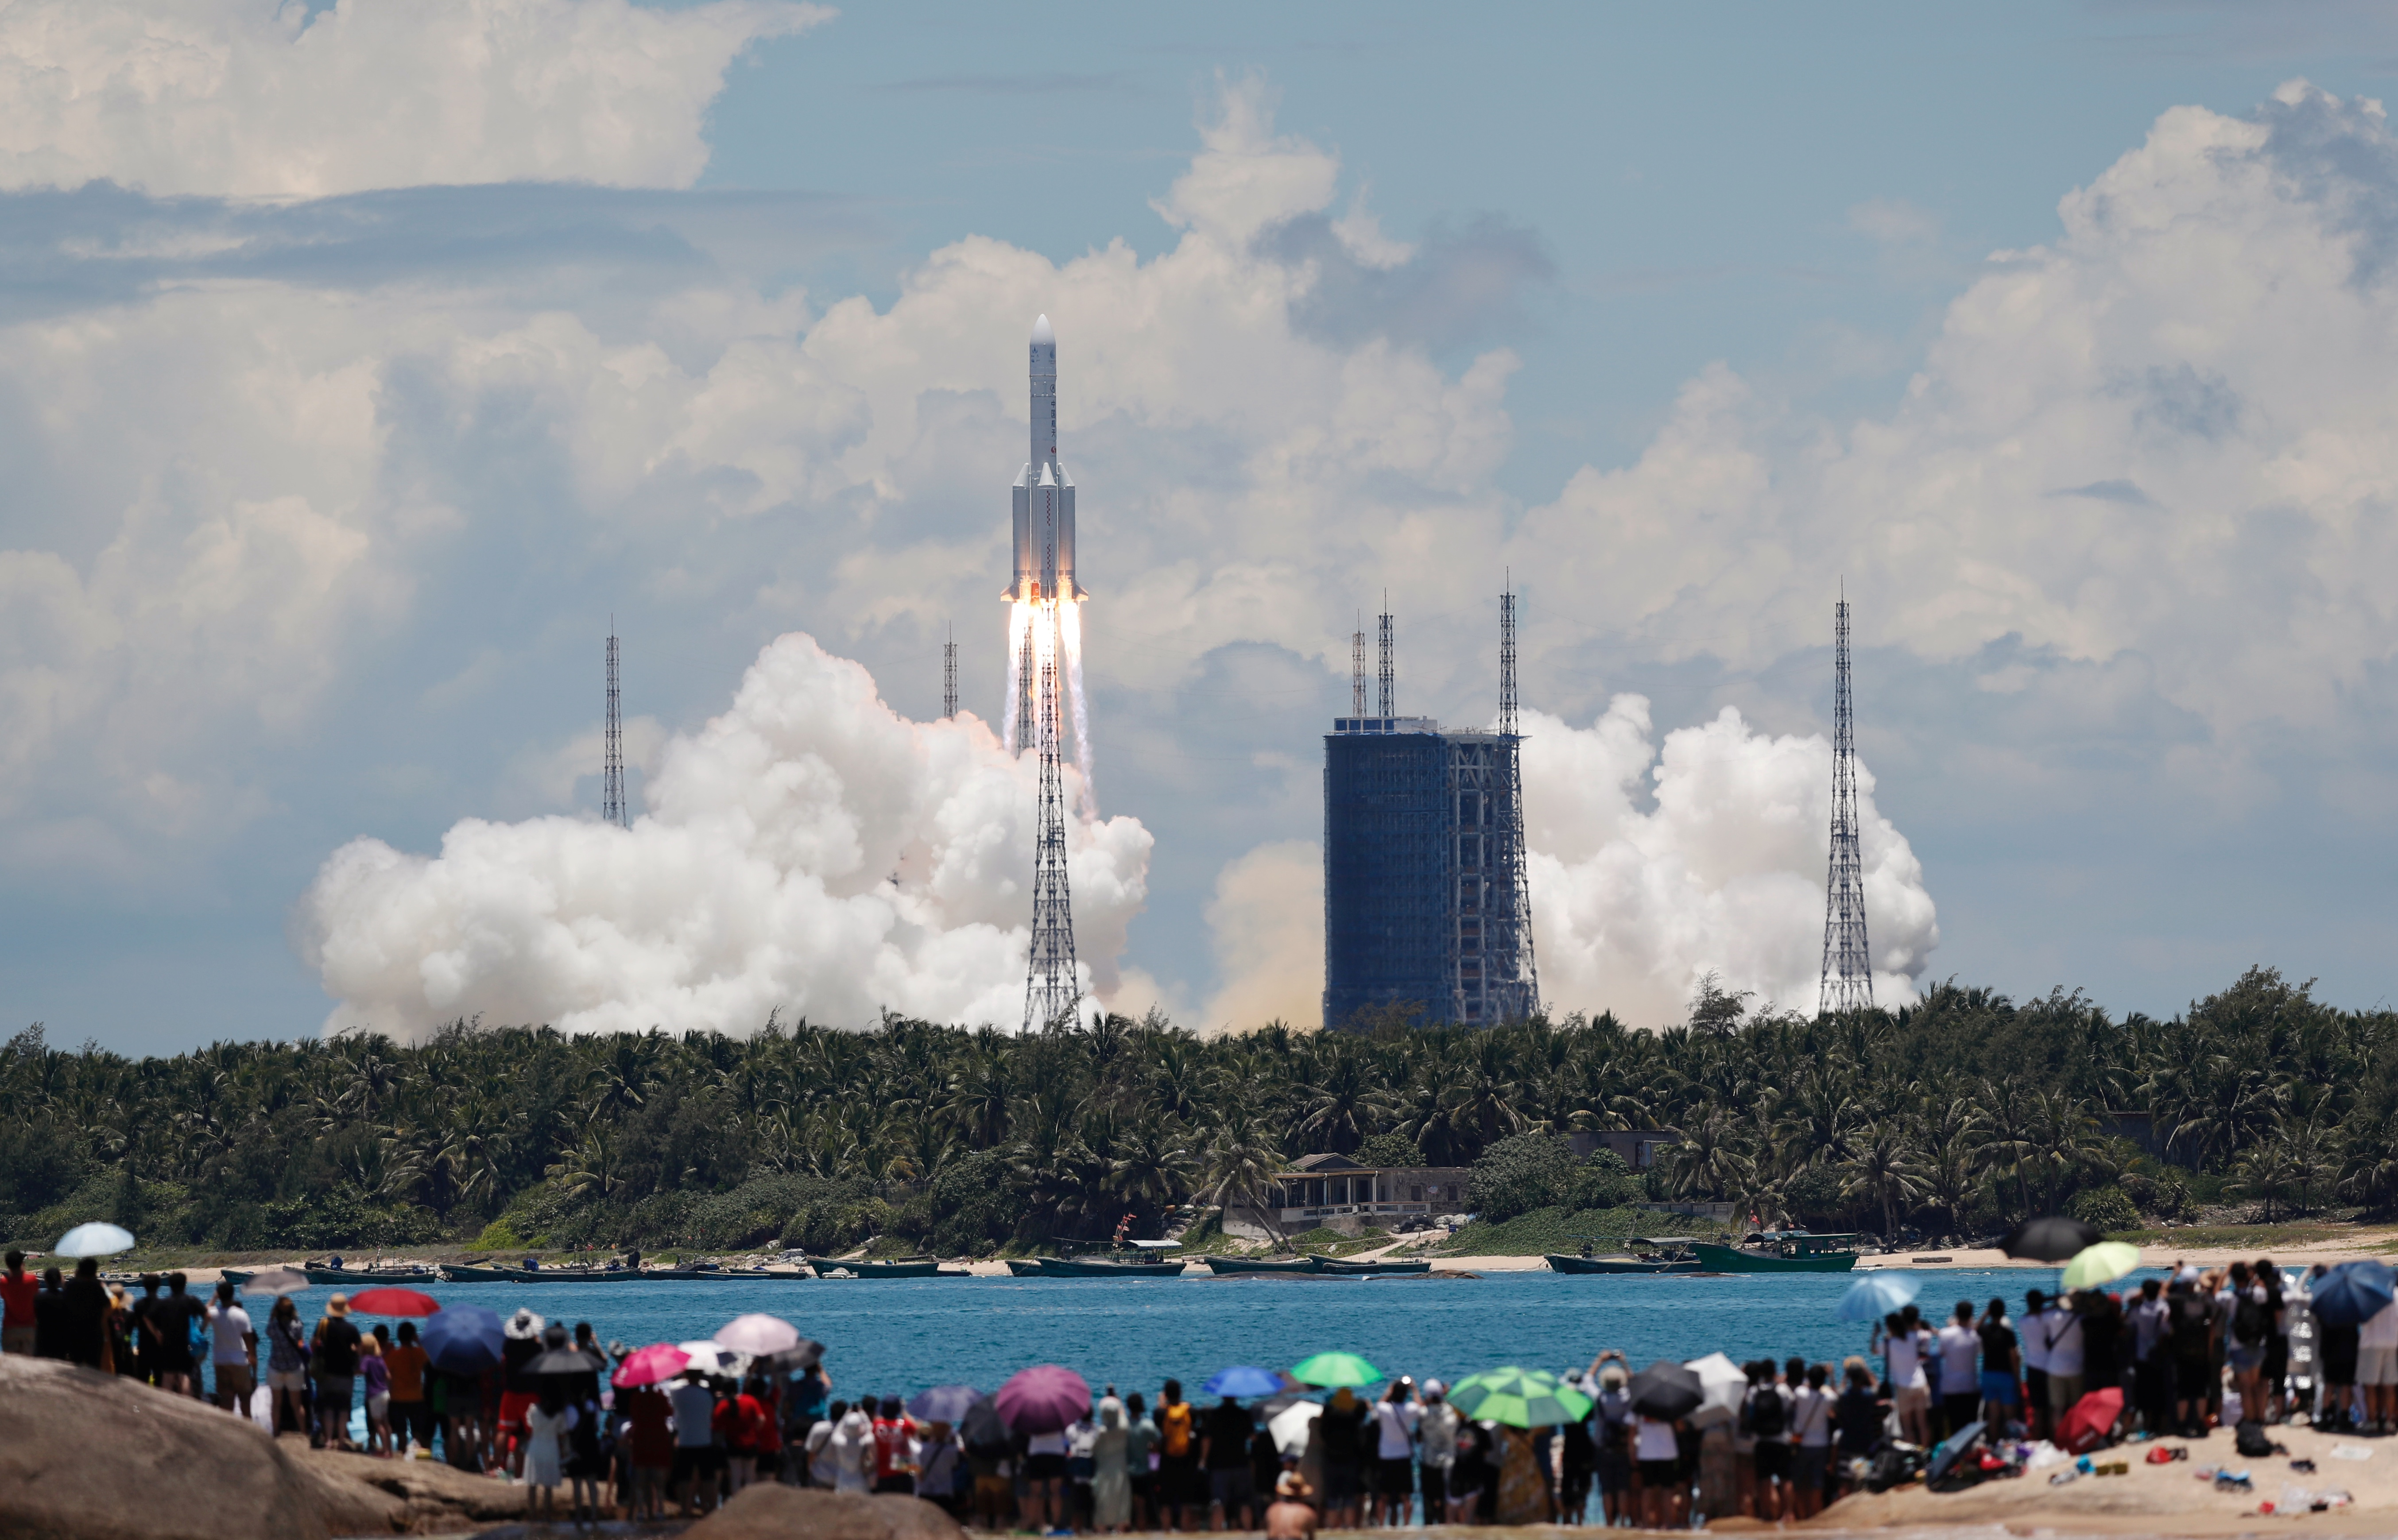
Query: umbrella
2101, 1264
1289, 1426
1723, 1385
94, 1240
651, 1365
758, 1335
1242, 1379
2082, 1428
464, 1339
2353, 1292
1877, 1293
277, 1281
394, 1302
1667, 1391
2051, 1239
563, 1360
1953, 1449
1519, 1398
1333, 1370
983, 1428
943, 1403
805, 1354
1043, 1399
714, 1357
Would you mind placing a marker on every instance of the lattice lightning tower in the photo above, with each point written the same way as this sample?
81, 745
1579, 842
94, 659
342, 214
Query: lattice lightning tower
950, 675
1357, 669
1052, 987
1517, 917
1848, 960
611, 775
1386, 699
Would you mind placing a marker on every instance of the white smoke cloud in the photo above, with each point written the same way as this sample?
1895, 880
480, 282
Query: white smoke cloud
1266, 924
1651, 869
244, 96
808, 850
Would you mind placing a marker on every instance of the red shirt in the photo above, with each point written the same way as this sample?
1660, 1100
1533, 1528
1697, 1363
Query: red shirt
652, 1442
891, 1446
17, 1294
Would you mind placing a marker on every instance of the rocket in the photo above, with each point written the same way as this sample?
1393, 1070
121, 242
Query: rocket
1044, 498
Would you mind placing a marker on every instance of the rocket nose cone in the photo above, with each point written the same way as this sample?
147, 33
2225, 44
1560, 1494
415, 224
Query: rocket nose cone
1041, 335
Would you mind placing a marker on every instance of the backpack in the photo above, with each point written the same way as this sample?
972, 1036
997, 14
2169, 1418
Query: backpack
2250, 1320
1767, 1412
2190, 1326
1174, 1423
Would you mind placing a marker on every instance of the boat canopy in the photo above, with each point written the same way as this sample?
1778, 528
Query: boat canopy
1159, 1245
1659, 1240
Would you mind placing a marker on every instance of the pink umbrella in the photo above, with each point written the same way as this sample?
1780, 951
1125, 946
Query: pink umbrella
1042, 1398
653, 1365
758, 1335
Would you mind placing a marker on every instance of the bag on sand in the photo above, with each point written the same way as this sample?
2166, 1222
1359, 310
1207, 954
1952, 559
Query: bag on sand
2251, 1440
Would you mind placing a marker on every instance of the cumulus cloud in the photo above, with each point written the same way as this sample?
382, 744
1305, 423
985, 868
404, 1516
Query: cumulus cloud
1265, 923
808, 852
242, 96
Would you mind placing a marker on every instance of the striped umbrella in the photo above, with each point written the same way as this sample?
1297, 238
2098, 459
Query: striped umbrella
1519, 1398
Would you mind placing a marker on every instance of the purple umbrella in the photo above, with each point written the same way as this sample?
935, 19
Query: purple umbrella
1043, 1399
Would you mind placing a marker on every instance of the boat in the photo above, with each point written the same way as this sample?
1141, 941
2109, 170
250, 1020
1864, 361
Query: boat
1780, 1251
1024, 1266
365, 1277
1369, 1269
912, 1267
1084, 1267
1227, 1265
1650, 1255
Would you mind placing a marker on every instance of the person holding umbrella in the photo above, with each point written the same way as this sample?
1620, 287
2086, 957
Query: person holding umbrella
1662, 1394
287, 1363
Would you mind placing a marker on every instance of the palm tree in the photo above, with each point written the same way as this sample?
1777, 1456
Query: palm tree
1237, 1166
1883, 1169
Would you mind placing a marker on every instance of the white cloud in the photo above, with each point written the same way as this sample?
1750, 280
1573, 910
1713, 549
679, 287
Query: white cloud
808, 850
243, 96
1266, 925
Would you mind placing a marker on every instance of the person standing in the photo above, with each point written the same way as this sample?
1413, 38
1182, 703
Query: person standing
2001, 1363
377, 1375
2152, 1364
695, 1454
1341, 1428
2065, 1356
2192, 1333
803, 1406
1224, 1455
1177, 1458
142, 1362
50, 1318
233, 1351
1663, 1495
83, 1314
545, 1447
179, 1318
2033, 1334
287, 1363
412, 1414
1613, 1433
649, 1453
1960, 1382
1810, 1436
18, 1290
1110, 1474
334, 1356
1765, 1412
1903, 1346
818, 1452
1395, 1419
1436, 1429
2377, 1368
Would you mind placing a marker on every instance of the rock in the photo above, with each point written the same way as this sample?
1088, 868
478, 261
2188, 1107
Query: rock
91, 1456
769, 1511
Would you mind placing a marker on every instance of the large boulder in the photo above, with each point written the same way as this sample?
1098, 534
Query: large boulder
774, 1512
91, 1456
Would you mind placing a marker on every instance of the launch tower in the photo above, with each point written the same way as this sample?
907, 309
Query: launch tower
1848, 961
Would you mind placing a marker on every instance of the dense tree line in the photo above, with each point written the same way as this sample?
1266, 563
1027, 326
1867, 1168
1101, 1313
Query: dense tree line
1955, 1114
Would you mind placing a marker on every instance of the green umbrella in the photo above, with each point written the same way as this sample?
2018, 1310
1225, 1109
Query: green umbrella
1331, 1369
1519, 1398
2101, 1264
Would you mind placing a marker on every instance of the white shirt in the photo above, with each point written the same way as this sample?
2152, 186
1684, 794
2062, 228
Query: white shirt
230, 1324
695, 1414
2380, 1329
852, 1452
1440, 1423
1811, 1417
2149, 1326
1906, 1359
819, 1456
2031, 1335
2064, 1342
1395, 1421
1656, 1442
1958, 1348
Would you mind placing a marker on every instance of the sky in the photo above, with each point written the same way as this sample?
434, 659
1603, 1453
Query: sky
362, 365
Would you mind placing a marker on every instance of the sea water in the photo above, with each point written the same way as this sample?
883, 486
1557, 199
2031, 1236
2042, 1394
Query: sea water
896, 1336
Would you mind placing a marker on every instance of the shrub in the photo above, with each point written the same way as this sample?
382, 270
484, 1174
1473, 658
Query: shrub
1604, 1182
1390, 1149
500, 1235
1519, 1174
2106, 1208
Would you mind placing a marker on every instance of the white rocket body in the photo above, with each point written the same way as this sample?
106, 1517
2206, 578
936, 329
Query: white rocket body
1044, 497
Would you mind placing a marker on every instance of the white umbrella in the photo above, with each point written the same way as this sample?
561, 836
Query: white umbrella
713, 1357
1723, 1385
277, 1281
758, 1335
1289, 1426
94, 1240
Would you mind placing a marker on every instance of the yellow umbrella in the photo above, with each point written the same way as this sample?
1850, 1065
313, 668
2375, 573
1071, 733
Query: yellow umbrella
2101, 1264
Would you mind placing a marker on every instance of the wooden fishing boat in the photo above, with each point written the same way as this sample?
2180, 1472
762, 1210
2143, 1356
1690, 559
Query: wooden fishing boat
1227, 1265
1650, 1255
914, 1268
1024, 1266
1337, 1268
1084, 1267
459, 1272
368, 1277
1780, 1251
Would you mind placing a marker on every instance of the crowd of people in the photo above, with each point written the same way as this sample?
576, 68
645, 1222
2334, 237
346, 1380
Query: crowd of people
2184, 1352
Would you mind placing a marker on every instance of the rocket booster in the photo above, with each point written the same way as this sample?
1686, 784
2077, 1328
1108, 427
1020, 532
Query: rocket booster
1044, 498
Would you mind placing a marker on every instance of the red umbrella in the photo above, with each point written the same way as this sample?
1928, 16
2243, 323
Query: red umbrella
1042, 1398
2082, 1428
394, 1302
653, 1365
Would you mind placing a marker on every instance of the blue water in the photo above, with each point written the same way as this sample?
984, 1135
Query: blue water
894, 1337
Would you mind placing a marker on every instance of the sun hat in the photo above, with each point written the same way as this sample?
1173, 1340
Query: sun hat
1612, 1375
1433, 1388
524, 1325
338, 1305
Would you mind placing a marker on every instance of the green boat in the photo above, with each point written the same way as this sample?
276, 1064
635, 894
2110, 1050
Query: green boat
1373, 1269
1780, 1251
1228, 1265
1023, 1266
1654, 1255
1058, 1266
925, 1267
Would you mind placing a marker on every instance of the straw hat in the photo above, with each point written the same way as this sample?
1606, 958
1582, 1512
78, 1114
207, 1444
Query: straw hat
338, 1305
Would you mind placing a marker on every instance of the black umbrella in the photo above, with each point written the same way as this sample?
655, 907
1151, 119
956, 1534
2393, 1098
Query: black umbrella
1953, 1449
1666, 1390
983, 1426
2051, 1237
562, 1361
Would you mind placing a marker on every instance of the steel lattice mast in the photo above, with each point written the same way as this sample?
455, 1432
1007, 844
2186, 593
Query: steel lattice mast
1848, 960
1518, 914
1052, 987
1386, 702
950, 675
611, 775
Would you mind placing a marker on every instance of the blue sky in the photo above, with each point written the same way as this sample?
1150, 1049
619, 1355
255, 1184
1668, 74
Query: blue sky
338, 424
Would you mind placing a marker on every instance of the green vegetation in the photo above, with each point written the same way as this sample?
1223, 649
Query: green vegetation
1559, 1228
1954, 1115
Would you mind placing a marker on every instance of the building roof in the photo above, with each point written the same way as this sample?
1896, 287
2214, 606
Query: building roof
1316, 1164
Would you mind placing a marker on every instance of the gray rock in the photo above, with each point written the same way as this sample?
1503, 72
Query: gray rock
773, 1512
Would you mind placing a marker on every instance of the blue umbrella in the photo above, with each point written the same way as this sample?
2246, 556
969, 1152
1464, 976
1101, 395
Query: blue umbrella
2353, 1292
943, 1403
1242, 1379
1876, 1294
464, 1339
